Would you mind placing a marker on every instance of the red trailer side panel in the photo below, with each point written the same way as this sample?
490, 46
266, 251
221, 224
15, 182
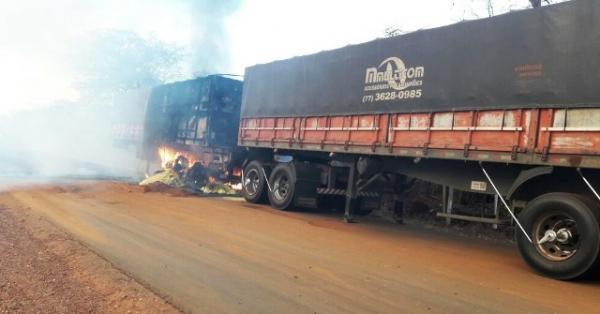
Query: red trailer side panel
564, 137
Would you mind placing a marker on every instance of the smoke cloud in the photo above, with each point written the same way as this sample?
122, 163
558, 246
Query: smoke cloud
49, 132
210, 49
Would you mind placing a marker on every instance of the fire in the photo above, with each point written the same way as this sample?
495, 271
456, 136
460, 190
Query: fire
237, 172
168, 154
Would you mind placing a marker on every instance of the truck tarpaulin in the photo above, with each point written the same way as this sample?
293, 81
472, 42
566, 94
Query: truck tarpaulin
545, 57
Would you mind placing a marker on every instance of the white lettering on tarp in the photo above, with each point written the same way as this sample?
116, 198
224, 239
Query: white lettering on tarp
395, 80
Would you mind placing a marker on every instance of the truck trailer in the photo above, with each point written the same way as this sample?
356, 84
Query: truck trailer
197, 118
506, 106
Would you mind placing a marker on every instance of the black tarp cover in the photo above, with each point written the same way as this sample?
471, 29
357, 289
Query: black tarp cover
544, 57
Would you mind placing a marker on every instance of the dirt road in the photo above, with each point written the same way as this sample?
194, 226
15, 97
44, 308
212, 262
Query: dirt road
44, 270
209, 255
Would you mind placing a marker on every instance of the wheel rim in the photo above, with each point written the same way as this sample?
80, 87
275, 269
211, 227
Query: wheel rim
251, 182
281, 187
556, 237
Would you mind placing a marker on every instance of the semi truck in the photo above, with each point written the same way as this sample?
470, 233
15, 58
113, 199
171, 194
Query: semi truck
507, 107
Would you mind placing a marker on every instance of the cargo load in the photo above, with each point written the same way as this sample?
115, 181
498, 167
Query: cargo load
528, 59
190, 131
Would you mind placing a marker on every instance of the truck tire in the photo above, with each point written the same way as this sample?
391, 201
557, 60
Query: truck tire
566, 235
254, 186
283, 183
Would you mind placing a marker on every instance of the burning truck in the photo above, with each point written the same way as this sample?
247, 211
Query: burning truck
190, 132
514, 119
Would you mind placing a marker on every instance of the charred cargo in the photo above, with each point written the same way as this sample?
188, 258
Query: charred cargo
197, 118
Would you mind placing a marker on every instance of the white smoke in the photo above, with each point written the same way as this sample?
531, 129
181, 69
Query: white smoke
49, 132
210, 48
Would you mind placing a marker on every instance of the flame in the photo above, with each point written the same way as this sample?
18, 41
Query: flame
168, 154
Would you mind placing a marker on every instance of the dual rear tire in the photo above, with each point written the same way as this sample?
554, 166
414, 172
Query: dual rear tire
279, 191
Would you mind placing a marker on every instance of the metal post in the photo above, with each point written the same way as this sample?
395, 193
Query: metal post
449, 205
331, 178
504, 202
496, 211
350, 193
445, 202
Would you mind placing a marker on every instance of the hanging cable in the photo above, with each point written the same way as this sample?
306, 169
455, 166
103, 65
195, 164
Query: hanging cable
504, 202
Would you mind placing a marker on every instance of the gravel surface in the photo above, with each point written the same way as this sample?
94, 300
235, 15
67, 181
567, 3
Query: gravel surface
43, 270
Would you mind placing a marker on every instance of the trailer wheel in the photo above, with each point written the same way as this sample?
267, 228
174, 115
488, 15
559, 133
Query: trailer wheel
283, 184
254, 186
566, 235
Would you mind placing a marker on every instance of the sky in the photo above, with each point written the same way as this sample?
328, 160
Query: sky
38, 38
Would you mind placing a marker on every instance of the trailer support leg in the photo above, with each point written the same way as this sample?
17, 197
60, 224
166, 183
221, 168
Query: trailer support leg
448, 199
496, 211
350, 194
331, 178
